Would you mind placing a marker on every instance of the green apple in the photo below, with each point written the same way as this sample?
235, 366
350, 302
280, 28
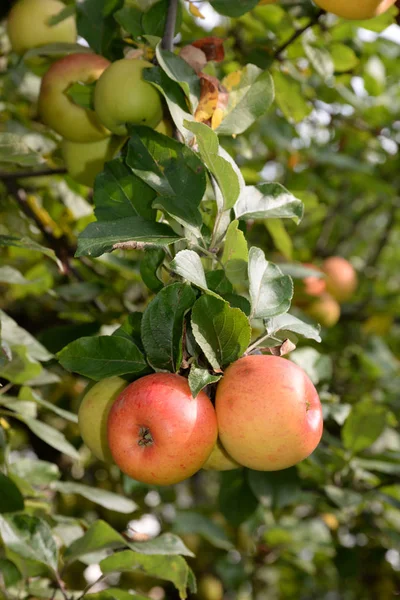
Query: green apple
210, 588
158, 433
84, 161
269, 413
93, 414
219, 460
356, 9
122, 96
28, 26
58, 110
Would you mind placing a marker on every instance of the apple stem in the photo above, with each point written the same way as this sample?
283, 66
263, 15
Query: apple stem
146, 439
169, 32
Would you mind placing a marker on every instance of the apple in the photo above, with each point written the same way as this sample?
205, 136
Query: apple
325, 310
269, 413
58, 110
219, 460
84, 161
93, 414
314, 286
28, 26
122, 96
355, 9
210, 588
165, 127
341, 278
158, 433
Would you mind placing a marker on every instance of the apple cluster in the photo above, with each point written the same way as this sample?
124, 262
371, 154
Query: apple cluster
321, 297
266, 416
90, 137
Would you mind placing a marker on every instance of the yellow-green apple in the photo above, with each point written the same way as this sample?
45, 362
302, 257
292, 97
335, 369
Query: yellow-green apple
165, 126
325, 310
341, 278
58, 110
122, 96
93, 415
84, 161
219, 460
210, 588
28, 25
158, 433
355, 9
269, 413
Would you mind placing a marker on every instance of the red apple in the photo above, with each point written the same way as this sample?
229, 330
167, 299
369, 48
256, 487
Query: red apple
58, 110
269, 413
341, 278
158, 433
314, 286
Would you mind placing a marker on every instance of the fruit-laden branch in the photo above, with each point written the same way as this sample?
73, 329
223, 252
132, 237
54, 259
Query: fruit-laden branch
296, 34
169, 33
40, 173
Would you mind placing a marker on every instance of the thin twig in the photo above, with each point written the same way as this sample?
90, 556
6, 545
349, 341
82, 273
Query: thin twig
40, 173
169, 32
296, 34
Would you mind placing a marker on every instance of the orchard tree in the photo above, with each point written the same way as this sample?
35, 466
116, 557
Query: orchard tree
199, 249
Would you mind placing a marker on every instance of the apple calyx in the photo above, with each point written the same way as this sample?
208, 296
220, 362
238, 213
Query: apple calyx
146, 439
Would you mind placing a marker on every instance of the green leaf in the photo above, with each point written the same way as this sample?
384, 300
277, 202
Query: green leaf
251, 93
51, 436
28, 244
270, 291
222, 332
237, 301
27, 393
29, 537
169, 568
288, 322
317, 366
14, 150
9, 572
129, 17
199, 378
97, 26
218, 166
104, 498
173, 170
114, 594
21, 368
82, 94
36, 472
154, 20
102, 237
131, 329
281, 238
162, 326
236, 499
218, 282
180, 71
11, 499
118, 193
276, 489
344, 58
188, 265
165, 544
10, 275
102, 356
320, 59
364, 425
194, 522
268, 201
64, 13
99, 536
149, 265
174, 97
233, 8
235, 254
289, 97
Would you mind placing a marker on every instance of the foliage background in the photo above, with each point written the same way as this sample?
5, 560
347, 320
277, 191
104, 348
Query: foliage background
328, 529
